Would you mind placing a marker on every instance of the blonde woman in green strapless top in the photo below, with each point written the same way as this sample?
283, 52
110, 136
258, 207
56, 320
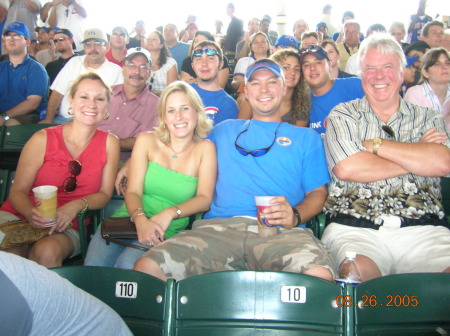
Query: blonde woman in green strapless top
171, 177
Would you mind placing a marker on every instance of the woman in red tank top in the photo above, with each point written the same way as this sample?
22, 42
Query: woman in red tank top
75, 157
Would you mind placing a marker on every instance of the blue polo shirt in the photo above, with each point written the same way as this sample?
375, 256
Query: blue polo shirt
17, 83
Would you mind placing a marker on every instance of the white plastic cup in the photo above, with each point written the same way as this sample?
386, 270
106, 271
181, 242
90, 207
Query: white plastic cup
265, 229
46, 202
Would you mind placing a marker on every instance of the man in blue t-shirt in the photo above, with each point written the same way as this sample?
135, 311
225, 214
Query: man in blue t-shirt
258, 157
23, 81
219, 105
326, 92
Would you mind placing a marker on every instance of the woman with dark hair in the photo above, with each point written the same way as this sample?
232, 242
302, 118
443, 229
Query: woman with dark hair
78, 159
297, 101
188, 74
434, 86
164, 68
259, 47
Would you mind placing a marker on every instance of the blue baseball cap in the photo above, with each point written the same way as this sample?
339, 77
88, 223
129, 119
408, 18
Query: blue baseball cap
285, 41
321, 24
411, 60
264, 64
17, 27
315, 50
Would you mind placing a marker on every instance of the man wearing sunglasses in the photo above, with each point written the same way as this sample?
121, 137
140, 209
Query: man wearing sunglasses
261, 156
207, 61
326, 92
95, 45
23, 81
385, 157
64, 46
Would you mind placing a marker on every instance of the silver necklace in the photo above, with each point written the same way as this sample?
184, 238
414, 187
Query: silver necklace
175, 154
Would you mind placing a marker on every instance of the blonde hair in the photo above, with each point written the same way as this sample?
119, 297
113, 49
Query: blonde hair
252, 40
204, 124
92, 76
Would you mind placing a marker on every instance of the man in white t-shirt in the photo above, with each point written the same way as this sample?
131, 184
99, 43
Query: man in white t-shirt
95, 45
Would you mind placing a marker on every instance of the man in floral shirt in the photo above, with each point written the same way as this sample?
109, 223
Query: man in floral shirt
385, 157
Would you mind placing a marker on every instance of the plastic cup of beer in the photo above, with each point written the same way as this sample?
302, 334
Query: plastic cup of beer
46, 203
264, 228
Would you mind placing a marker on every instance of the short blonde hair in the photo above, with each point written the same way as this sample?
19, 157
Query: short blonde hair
204, 124
93, 76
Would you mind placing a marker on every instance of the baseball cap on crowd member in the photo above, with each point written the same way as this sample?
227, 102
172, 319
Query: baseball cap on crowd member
286, 41
411, 60
267, 18
132, 52
317, 51
264, 63
192, 25
321, 24
122, 29
68, 33
94, 34
17, 27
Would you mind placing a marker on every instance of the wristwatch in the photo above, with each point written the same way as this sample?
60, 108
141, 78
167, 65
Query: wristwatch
5, 116
376, 145
297, 216
178, 212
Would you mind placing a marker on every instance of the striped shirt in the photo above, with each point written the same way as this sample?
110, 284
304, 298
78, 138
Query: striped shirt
411, 196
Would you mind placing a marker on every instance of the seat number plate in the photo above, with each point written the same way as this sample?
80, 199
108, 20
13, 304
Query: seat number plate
293, 294
126, 289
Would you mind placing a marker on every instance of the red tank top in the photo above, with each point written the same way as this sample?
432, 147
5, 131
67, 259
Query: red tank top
55, 168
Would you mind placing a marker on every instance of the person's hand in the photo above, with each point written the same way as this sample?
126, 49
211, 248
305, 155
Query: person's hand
35, 219
432, 135
121, 180
280, 214
65, 216
149, 232
164, 218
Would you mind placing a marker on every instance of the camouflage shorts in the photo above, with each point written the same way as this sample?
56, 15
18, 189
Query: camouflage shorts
233, 244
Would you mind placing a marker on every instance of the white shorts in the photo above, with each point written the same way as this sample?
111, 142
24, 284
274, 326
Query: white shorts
412, 249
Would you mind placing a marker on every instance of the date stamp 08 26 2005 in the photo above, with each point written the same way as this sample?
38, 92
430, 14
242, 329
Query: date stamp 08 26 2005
374, 301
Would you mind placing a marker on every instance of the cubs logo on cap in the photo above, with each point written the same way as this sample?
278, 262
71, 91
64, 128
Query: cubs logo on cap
17, 27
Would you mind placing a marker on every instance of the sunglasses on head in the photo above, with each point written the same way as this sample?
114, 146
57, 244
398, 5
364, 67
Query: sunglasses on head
388, 131
254, 152
70, 183
207, 51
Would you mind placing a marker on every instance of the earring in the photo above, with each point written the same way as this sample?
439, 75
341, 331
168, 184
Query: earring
106, 116
70, 111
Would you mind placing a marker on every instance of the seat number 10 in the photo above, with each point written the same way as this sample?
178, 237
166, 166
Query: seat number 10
293, 294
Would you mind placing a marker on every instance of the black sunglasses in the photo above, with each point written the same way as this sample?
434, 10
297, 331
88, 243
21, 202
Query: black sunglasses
70, 183
207, 51
152, 79
254, 152
59, 39
388, 131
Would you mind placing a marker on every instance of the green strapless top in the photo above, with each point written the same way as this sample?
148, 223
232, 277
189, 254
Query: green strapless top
164, 188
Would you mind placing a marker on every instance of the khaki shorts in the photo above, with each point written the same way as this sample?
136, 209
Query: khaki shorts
233, 244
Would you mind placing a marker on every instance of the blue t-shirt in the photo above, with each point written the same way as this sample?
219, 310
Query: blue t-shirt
179, 52
294, 165
219, 105
343, 90
17, 83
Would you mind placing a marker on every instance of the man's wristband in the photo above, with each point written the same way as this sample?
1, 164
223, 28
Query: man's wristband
297, 216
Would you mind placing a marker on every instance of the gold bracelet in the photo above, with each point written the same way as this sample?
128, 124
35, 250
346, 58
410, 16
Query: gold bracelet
139, 214
86, 206
132, 212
